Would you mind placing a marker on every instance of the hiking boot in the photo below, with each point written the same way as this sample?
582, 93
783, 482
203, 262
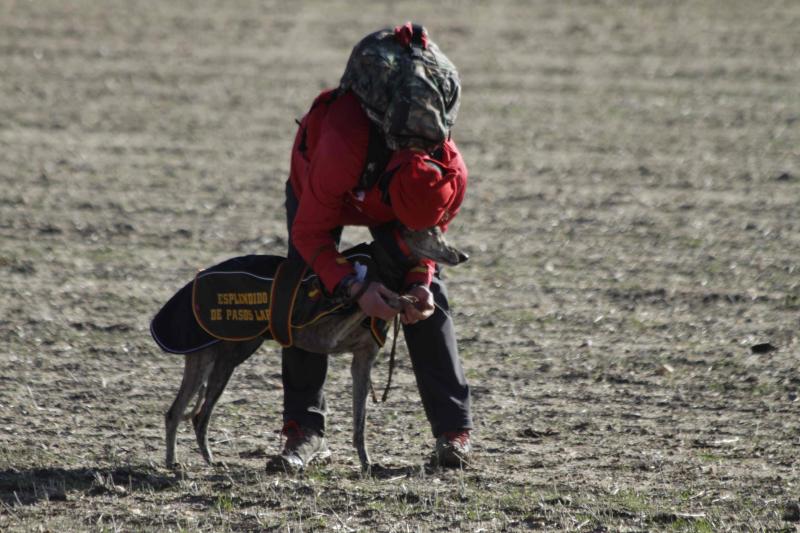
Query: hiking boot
302, 447
453, 449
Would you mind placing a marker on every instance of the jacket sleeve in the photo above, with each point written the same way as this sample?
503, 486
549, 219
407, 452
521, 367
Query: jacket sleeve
333, 172
422, 274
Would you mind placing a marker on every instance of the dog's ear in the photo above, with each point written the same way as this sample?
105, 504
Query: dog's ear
431, 244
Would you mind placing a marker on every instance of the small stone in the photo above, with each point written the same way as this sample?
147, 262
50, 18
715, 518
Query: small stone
764, 347
536, 434
664, 370
791, 511
785, 176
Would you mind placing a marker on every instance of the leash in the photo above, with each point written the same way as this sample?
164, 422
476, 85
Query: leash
405, 299
396, 329
391, 358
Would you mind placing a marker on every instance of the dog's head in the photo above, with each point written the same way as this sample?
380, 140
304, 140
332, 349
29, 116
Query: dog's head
431, 244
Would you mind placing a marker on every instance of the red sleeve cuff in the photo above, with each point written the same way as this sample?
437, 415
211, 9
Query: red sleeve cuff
421, 274
331, 267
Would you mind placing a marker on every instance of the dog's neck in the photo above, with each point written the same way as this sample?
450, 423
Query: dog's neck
390, 272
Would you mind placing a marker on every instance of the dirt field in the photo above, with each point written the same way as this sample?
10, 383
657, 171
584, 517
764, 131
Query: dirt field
632, 219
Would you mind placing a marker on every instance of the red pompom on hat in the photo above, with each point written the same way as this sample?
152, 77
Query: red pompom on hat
408, 32
420, 194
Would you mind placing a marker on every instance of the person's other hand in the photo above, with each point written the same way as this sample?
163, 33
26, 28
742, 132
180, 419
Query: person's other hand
422, 309
372, 302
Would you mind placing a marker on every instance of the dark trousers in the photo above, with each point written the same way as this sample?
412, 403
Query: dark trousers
431, 346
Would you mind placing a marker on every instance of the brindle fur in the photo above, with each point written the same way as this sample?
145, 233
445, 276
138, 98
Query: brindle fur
206, 372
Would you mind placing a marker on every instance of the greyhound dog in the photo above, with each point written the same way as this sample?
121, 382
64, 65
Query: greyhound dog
207, 371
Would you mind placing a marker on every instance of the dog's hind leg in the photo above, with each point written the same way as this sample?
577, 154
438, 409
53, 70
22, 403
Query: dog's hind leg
201, 397
360, 370
222, 372
195, 370
230, 356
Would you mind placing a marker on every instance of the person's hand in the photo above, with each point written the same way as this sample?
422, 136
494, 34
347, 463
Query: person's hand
372, 301
422, 309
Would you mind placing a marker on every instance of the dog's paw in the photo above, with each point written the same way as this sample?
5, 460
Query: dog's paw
180, 470
219, 465
374, 470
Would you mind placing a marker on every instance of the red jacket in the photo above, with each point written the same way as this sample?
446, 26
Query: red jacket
328, 158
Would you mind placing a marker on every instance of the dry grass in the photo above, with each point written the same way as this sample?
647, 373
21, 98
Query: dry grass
631, 220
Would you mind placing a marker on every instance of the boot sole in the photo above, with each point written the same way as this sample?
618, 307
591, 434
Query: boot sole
287, 465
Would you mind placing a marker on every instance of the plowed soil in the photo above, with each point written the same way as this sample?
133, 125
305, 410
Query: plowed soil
628, 320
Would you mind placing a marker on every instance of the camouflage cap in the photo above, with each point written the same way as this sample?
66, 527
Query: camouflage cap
406, 85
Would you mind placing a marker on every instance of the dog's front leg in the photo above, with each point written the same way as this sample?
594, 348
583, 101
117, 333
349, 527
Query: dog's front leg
360, 370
